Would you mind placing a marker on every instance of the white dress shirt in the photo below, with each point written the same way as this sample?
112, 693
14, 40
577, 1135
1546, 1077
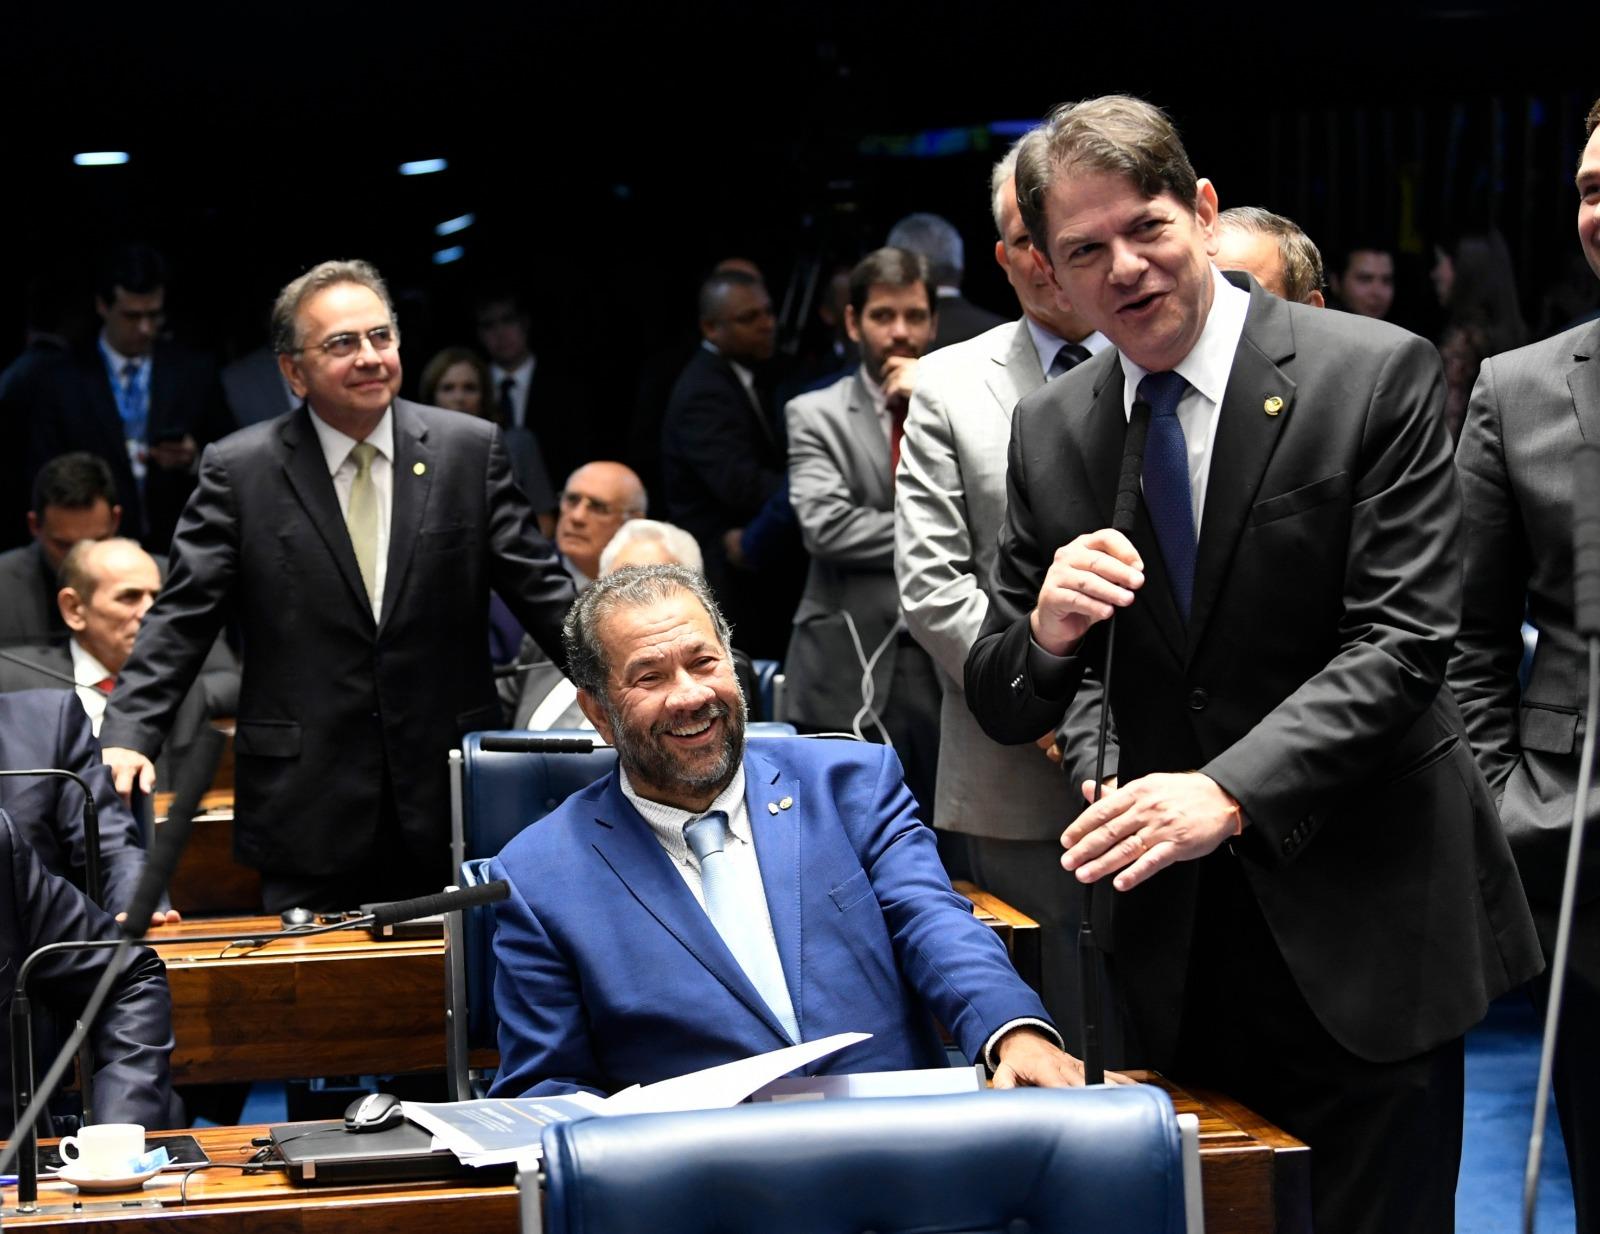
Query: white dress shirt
336, 448
88, 672
1046, 343
522, 379
1206, 369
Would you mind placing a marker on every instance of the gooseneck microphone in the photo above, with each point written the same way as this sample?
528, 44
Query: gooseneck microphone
93, 880
1122, 517
1586, 623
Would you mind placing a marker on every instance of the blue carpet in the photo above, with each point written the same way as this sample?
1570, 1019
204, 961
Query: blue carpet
1502, 1069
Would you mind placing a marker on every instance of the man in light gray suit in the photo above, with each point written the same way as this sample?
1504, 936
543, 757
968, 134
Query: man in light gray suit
1011, 802
852, 666
1530, 409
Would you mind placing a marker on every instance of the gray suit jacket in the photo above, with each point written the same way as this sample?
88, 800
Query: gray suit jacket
1530, 409
28, 609
950, 505
840, 487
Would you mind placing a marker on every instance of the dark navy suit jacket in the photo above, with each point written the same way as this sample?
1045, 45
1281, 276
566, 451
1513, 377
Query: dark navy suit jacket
609, 973
47, 728
132, 1035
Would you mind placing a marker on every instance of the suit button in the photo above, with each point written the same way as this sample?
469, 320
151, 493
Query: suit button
1198, 700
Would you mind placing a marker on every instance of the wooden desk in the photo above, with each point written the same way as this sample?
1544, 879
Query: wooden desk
224, 1201
336, 1004
1253, 1180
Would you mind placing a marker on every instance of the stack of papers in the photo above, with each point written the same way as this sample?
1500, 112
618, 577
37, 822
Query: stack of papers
500, 1130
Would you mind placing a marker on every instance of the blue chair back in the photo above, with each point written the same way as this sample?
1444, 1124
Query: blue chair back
1042, 1160
766, 674
501, 793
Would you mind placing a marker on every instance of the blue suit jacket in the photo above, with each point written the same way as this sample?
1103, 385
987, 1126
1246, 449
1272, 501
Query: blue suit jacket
609, 973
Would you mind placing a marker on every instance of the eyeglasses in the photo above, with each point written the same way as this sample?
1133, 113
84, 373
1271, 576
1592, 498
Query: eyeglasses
340, 346
600, 509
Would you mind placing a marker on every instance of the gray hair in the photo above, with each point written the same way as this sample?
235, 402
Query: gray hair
1005, 171
679, 544
588, 665
1118, 134
1302, 262
937, 240
77, 570
286, 310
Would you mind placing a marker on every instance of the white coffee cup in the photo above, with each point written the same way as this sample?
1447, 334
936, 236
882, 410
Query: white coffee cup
104, 1150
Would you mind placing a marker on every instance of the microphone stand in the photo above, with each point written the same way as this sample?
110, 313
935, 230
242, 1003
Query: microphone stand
93, 880
1586, 624
23, 1146
1127, 505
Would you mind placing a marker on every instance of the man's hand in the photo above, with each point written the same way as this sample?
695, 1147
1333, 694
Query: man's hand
733, 545
1147, 825
174, 455
899, 380
128, 766
1050, 746
1088, 581
1029, 1059
159, 918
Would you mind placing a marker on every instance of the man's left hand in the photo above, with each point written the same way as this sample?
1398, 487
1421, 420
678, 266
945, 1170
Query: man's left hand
159, 917
1029, 1059
1148, 824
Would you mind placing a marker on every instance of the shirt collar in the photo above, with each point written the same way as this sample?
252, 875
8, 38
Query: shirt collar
874, 391
86, 669
520, 374
336, 445
1210, 360
1046, 342
671, 819
117, 359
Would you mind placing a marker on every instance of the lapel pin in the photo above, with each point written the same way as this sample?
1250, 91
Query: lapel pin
418, 469
772, 807
785, 803
1273, 405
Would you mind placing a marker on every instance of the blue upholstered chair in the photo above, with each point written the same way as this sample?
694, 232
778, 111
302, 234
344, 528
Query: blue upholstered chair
1044, 1161
495, 793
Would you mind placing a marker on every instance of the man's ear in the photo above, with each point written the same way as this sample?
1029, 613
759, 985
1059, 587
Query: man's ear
852, 327
1317, 300
71, 605
1000, 257
116, 519
1205, 213
291, 374
596, 715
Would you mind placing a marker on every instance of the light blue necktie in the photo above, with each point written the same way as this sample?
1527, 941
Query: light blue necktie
731, 906
1166, 483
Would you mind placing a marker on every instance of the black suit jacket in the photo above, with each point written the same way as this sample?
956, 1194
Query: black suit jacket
1308, 683
721, 459
333, 705
132, 1035
47, 728
961, 319
80, 413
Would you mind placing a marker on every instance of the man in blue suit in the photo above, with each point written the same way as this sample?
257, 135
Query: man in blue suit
637, 945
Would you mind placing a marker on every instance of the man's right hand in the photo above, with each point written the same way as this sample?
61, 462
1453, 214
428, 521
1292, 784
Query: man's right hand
127, 767
1088, 581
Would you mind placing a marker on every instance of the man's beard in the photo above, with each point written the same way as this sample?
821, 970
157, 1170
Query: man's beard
648, 760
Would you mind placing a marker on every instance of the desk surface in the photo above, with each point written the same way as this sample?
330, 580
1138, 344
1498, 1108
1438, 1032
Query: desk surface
1252, 1178
334, 1004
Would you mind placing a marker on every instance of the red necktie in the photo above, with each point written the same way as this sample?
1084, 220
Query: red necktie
897, 430
105, 684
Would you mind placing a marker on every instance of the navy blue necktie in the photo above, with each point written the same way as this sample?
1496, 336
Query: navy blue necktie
1166, 483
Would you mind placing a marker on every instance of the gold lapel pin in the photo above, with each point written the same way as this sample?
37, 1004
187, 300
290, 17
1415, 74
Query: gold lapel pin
785, 803
418, 469
772, 807
1273, 405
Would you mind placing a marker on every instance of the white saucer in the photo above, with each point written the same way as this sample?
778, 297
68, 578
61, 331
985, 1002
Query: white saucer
95, 1183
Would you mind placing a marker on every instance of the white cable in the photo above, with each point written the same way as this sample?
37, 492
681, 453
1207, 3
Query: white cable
869, 688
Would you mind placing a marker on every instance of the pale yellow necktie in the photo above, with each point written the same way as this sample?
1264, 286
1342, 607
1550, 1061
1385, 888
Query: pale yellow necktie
362, 517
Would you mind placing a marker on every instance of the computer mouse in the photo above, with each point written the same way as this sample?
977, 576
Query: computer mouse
374, 1112
294, 918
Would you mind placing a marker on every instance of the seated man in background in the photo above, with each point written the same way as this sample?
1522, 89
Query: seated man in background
107, 587
655, 919
1273, 250
47, 728
132, 1035
547, 699
74, 498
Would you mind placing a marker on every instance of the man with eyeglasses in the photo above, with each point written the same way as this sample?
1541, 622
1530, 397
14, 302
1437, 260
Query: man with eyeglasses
355, 542
598, 499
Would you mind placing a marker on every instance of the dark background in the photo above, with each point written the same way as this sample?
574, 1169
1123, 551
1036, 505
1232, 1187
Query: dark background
611, 152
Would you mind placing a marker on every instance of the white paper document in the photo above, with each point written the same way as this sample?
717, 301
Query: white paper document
498, 1130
